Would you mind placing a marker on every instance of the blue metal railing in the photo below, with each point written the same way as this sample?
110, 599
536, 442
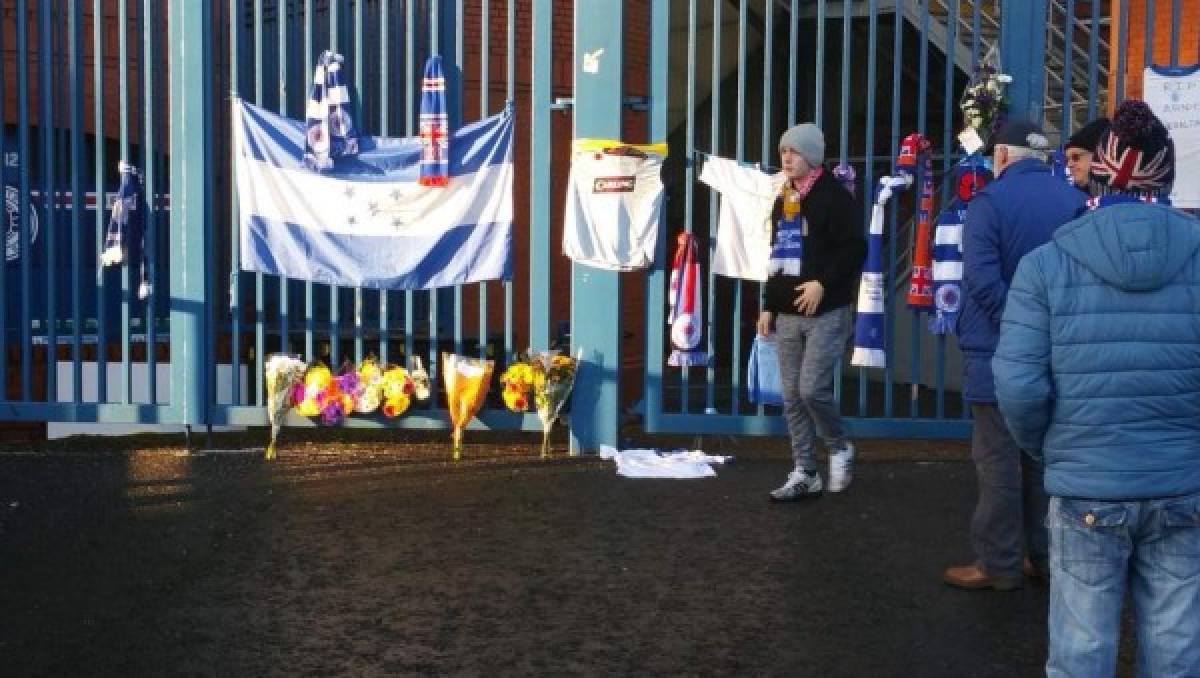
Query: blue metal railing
869, 83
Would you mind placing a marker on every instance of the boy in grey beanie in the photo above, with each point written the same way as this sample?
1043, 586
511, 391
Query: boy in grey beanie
807, 140
816, 257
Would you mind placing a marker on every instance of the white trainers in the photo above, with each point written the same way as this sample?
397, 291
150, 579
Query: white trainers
841, 468
799, 485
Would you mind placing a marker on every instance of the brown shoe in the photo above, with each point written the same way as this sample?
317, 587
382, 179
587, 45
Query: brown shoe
973, 577
1034, 571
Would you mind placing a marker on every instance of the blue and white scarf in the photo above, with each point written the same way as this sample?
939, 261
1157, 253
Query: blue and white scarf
869, 349
1097, 201
125, 238
948, 267
329, 131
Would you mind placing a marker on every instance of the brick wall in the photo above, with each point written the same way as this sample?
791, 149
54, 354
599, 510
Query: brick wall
1160, 39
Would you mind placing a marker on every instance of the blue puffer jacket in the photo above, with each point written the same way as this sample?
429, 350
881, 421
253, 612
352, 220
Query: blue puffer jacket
1007, 219
1098, 365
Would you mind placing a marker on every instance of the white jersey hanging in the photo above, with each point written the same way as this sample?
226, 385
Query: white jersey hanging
614, 204
1173, 93
743, 248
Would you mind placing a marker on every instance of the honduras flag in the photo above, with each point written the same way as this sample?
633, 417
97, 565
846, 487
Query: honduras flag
367, 221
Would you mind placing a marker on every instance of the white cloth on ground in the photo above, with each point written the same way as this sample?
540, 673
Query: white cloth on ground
644, 463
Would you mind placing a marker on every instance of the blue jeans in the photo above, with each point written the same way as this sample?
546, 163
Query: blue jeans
1098, 550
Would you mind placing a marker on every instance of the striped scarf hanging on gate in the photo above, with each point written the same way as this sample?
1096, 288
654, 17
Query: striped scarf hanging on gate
329, 132
920, 289
435, 126
869, 349
686, 305
125, 238
971, 176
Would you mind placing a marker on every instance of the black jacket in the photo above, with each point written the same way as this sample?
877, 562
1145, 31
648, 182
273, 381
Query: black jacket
834, 249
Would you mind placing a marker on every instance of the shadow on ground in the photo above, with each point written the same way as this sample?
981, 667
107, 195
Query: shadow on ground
376, 560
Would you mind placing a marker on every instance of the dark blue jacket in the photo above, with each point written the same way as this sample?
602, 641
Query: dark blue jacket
1098, 366
1014, 214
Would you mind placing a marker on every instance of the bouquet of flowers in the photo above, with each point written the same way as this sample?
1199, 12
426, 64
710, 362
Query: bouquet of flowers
283, 373
517, 381
323, 396
983, 102
466, 382
546, 380
397, 389
370, 385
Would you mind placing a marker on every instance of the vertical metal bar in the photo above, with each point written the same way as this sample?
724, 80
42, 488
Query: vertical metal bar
281, 21
793, 60
511, 92
25, 241
485, 30
191, 172
410, 65
922, 112
819, 76
539, 172
768, 53
360, 80
75, 81
48, 126
868, 185
1094, 63
847, 38
385, 24
715, 149
235, 297
947, 162
655, 296
976, 23
736, 329
310, 326
768, 73
335, 330
124, 96
453, 98
150, 60
1148, 36
1068, 67
4, 164
1122, 50
434, 18
1176, 20
595, 320
260, 293
889, 319
101, 196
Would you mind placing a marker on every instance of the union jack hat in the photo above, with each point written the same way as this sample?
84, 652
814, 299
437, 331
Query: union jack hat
1136, 155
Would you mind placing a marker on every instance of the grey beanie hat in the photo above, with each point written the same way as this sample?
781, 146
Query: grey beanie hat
808, 140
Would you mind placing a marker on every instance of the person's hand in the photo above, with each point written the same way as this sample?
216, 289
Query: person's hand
810, 296
765, 320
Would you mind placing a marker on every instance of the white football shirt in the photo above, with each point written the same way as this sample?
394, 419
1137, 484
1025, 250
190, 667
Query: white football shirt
743, 248
614, 204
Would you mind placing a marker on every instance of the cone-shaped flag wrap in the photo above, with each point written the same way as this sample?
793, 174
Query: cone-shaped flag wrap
686, 312
970, 176
329, 130
869, 350
920, 290
435, 126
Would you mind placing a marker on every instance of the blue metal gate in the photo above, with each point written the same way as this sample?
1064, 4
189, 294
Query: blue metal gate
86, 84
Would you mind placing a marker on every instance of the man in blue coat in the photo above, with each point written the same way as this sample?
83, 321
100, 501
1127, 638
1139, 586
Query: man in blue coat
1098, 371
1014, 214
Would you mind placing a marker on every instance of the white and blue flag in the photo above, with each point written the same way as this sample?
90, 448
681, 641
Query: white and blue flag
367, 221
